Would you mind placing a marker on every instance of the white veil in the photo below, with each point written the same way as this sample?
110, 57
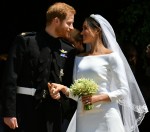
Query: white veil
133, 108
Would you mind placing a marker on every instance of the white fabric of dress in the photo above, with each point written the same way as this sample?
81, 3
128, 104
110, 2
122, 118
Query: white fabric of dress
105, 116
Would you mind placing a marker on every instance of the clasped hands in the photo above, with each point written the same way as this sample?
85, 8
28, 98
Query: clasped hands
54, 90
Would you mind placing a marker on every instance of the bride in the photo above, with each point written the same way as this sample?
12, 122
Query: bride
118, 104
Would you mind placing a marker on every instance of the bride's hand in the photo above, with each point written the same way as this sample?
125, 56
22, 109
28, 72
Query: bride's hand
87, 99
90, 99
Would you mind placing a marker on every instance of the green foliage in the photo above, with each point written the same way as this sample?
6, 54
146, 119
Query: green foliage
134, 24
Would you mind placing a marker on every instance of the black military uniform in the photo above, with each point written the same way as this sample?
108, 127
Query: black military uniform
19, 72
35, 60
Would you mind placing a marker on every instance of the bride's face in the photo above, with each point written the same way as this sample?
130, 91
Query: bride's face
89, 34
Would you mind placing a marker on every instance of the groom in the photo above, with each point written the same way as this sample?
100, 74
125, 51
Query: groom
36, 59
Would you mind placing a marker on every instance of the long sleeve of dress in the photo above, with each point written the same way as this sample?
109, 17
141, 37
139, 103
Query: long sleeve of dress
121, 87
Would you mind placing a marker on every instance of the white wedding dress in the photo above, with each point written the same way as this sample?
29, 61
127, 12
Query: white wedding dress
105, 116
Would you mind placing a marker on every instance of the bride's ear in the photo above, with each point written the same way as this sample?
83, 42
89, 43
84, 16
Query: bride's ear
99, 31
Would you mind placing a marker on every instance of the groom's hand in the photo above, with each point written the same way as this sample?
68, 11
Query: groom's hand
54, 93
11, 122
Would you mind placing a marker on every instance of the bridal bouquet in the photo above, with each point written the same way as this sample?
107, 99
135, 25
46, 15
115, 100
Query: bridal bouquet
82, 87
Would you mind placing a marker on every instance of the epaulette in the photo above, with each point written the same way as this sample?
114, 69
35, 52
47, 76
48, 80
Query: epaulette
28, 33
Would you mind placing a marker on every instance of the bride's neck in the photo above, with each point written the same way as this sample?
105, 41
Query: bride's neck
97, 49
